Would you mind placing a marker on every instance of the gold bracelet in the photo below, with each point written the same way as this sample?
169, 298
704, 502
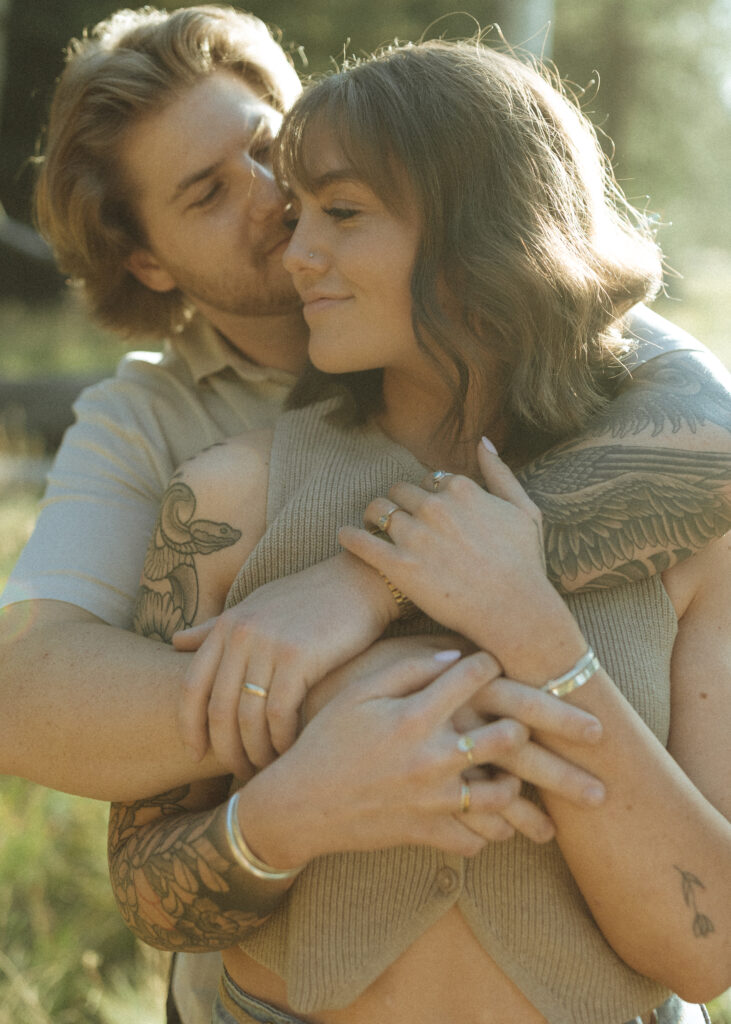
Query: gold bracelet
244, 856
407, 608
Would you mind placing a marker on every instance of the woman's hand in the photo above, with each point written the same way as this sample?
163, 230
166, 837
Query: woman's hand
255, 663
380, 765
473, 560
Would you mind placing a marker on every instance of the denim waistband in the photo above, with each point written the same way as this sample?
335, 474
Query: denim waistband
235, 1006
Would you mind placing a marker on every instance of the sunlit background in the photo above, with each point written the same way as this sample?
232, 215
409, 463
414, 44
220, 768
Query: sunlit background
655, 75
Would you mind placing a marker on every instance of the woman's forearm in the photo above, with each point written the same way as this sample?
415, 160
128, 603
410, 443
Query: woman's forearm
653, 860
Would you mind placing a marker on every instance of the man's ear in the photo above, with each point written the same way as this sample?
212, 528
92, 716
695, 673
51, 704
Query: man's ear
148, 271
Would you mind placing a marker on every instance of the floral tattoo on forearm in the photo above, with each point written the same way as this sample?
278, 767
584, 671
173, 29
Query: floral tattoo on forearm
702, 925
174, 881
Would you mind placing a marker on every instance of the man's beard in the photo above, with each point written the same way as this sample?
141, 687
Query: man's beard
254, 294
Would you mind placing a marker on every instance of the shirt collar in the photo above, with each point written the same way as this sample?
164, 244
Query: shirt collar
206, 352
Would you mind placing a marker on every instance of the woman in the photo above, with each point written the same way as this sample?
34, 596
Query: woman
468, 261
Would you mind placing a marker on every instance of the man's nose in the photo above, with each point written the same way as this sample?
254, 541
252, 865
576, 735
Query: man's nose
265, 197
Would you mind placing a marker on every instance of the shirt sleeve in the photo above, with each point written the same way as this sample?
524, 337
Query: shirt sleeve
103, 495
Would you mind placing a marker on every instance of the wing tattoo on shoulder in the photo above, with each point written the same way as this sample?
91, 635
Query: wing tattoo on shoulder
618, 513
672, 392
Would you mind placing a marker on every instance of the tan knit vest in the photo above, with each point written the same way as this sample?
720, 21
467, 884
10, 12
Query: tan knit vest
349, 916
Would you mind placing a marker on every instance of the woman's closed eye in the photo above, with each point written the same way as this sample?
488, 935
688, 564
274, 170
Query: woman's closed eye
341, 212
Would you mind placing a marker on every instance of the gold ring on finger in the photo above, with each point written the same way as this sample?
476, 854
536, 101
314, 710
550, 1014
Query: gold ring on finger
465, 797
259, 691
466, 744
383, 521
436, 478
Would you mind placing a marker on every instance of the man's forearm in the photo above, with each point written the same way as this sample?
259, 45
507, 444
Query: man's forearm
646, 485
88, 708
176, 883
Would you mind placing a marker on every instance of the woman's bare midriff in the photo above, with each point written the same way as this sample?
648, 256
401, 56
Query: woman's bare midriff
444, 977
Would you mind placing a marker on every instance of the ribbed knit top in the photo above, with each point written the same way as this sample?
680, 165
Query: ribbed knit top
349, 916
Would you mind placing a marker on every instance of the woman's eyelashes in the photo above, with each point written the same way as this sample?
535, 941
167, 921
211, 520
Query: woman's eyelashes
340, 212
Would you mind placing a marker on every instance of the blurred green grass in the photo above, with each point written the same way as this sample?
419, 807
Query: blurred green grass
66, 958
55, 339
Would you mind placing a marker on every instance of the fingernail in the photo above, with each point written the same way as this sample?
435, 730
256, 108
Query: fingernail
447, 656
594, 794
489, 445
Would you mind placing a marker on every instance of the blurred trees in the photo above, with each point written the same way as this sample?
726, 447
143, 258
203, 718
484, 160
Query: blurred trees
662, 96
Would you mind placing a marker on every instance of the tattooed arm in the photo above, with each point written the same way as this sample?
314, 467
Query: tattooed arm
647, 484
174, 879
176, 883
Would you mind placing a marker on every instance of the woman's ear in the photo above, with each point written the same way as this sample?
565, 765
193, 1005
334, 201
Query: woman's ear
149, 272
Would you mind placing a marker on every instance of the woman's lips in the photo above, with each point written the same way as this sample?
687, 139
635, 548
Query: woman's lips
323, 304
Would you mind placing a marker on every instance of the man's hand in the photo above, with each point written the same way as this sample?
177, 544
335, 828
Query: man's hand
256, 661
381, 763
498, 697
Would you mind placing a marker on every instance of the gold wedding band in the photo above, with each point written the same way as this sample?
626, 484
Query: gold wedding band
383, 521
436, 478
259, 691
466, 744
465, 798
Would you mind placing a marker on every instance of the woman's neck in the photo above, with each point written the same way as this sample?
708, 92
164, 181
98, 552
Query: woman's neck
412, 416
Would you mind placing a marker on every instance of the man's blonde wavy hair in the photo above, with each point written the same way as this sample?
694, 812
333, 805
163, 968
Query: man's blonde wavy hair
127, 67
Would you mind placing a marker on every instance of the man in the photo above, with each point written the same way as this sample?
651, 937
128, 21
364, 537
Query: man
157, 194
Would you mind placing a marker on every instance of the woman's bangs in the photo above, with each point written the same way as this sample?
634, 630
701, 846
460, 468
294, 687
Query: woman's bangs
335, 123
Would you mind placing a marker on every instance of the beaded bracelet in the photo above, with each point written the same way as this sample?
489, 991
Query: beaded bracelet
244, 856
581, 673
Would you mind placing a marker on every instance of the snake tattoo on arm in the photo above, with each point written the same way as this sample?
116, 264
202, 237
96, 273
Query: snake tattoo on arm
171, 602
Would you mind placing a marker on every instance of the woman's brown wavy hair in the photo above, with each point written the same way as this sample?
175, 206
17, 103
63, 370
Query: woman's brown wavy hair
126, 68
529, 254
